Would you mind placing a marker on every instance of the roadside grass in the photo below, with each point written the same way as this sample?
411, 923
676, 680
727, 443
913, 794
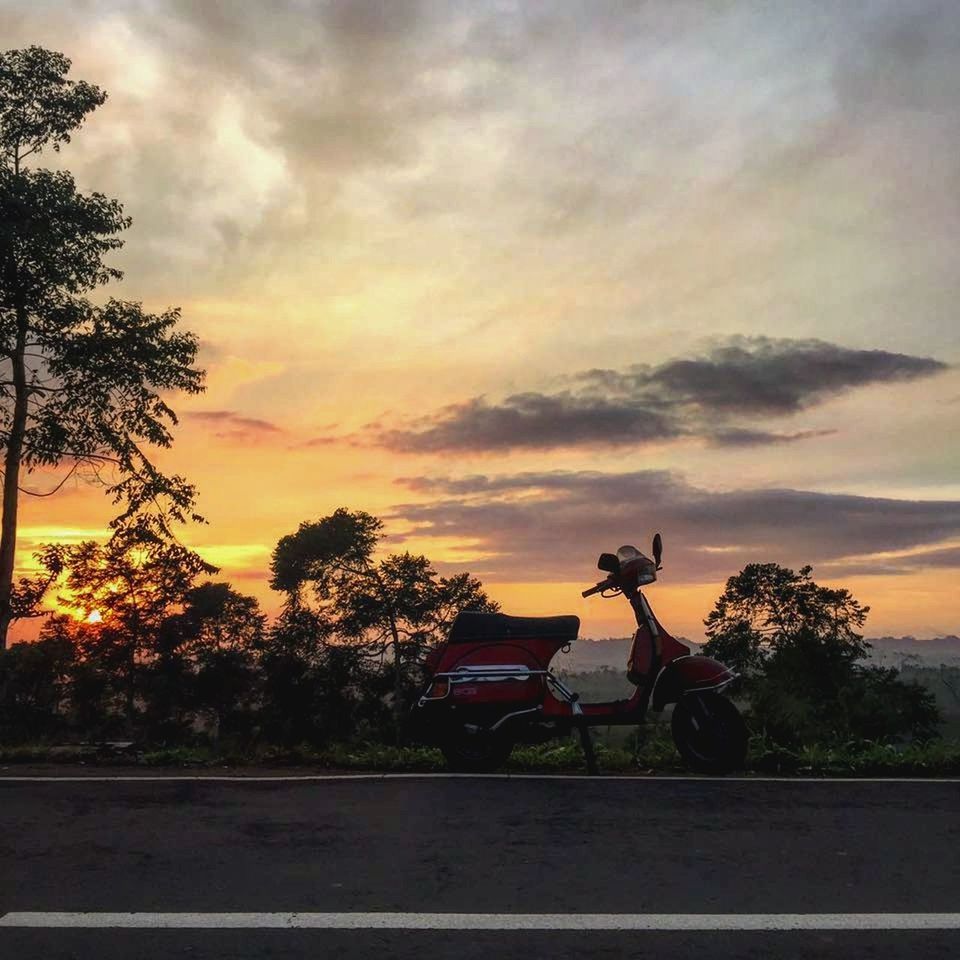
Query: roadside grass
936, 758
653, 752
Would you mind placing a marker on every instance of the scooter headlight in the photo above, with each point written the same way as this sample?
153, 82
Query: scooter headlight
646, 571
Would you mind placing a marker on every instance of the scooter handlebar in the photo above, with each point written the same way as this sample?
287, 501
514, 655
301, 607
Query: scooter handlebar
602, 585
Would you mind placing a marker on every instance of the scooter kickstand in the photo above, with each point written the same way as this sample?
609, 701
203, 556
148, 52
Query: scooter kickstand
587, 743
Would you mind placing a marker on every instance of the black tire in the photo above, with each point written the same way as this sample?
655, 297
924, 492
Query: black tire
709, 733
479, 752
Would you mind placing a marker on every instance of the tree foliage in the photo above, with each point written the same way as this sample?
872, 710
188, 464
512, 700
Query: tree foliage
216, 619
163, 658
84, 384
394, 604
39, 105
34, 679
799, 648
766, 608
395, 601
134, 585
151, 652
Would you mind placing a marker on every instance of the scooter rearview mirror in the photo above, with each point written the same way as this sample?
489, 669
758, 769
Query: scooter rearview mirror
657, 549
609, 563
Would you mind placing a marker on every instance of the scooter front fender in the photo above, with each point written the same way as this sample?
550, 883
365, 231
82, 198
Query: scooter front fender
684, 674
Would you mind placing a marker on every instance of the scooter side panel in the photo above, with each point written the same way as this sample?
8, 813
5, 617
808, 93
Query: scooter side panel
538, 652
524, 687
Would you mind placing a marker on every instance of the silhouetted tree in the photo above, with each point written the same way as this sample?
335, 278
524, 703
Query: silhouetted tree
34, 686
766, 608
134, 583
290, 661
217, 618
798, 646
177, 652
90, 707
84, 384
395, 605
222, 633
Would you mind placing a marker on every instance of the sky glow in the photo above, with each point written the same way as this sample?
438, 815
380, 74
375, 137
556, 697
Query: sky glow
533, 280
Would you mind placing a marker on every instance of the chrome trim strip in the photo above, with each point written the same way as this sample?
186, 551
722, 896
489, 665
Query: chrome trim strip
510, 716
715, 686
480, 673
425, 698
651, 621
559, 685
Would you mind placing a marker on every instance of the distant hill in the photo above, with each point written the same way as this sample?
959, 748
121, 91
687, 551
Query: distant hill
949, 644
587, 655
597, 654
891, 650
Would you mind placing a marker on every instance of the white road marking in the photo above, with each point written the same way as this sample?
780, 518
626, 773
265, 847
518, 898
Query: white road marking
339, 777
706, 922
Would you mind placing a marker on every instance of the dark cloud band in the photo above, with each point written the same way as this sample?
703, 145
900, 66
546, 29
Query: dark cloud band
232, 426
705, 397
551, 526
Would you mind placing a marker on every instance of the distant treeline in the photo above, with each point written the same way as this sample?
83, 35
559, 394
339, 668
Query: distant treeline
211, 671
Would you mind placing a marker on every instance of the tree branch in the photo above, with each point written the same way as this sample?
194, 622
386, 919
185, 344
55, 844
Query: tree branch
50, 493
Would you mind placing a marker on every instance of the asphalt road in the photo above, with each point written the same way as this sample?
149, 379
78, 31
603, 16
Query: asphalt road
569, 847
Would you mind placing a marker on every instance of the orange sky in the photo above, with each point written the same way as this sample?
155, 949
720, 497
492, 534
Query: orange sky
532, 282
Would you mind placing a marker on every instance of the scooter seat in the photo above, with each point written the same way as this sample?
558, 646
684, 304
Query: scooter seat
473, 627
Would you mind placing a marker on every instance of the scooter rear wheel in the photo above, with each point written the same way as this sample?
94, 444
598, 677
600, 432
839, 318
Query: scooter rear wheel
479, 752
709, 733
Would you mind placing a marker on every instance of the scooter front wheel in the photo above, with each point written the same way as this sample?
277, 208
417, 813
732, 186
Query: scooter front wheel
709, 733
475, 752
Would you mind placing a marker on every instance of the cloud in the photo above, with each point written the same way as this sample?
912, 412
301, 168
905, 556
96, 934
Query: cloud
947, 557
236, 428
943, 558
744, 377
741, 437
552, 526
339, 87
760, 375
533, 420
318, 442
900, 564
632, 164
247, 121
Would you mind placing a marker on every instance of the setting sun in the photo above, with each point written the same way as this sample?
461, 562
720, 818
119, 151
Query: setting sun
95, 617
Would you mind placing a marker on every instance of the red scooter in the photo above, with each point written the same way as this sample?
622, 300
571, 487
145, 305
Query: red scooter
492, 687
